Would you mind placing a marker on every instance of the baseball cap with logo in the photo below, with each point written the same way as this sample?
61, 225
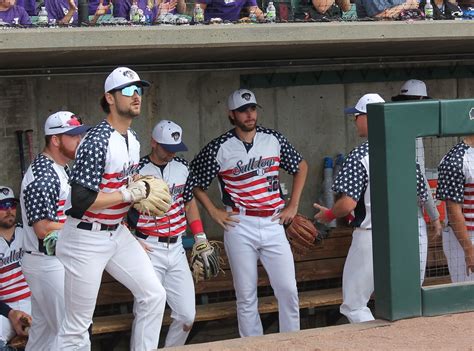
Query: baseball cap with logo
412, 88
241, 99
122, 77
361, 106
169, 135
64, 122
6, 194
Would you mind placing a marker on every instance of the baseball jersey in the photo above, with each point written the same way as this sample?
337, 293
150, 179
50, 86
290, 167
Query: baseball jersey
248, 174
456, 180
354, 181
122, 9
172, 222
44, 191
28, 5
13, 286
225, 9
15, 13
57, 9
106, 161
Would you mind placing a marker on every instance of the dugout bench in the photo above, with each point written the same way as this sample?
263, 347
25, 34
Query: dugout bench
319, 275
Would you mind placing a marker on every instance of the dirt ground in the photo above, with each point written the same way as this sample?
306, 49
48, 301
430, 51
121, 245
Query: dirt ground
448, 332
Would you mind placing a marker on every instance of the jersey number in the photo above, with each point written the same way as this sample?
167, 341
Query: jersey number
273, 183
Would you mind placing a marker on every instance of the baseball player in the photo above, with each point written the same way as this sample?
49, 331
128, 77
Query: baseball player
94, 237
352, 186
14, 291
44, 192
413, 90
456, 187
246, 161
162, 236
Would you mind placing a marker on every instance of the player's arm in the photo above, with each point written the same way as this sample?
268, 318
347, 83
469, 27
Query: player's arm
344, 5
299, 179
219, 215
45, 226
322, 5
458, 223
72, 10
341, 208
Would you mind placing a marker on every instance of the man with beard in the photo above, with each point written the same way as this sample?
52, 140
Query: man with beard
14, 291
246, 161
94, 238
44, 192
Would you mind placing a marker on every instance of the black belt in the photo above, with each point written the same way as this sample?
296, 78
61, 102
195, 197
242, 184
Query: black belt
161, 239
89, 226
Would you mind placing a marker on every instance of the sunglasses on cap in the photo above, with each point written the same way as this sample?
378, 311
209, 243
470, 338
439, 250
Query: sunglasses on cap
74, 121
131, 89
6, 205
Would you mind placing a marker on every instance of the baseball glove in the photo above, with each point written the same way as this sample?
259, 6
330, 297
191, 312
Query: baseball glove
301, 234
206, 260
158, 199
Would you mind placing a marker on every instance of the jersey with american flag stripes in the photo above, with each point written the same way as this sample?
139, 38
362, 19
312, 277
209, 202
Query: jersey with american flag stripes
106, 161
13, 286
44, 191
172, 222
248, 174
456, 180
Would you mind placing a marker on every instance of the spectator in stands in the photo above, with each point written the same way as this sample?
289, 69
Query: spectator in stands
152, 8
229, 10
63, 11
443, 9
13, 14
321, 9
29, 6
383, 8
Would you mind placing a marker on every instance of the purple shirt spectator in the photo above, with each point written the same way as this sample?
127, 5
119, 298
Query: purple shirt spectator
14, 12
28, 5
225, 9
57, 9
93, 4
122, 9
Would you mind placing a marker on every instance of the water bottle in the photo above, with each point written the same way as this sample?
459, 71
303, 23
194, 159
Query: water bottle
428, 10
43, 17
134, 16
328, 195
271, 12
253, 16
198, 14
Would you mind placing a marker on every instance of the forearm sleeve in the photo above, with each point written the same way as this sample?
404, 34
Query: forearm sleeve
81, 199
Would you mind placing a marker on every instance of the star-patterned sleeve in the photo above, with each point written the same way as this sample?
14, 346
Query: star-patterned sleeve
421, 190
41, 199
290, 158
352, 179
204, 168
451, 178
89, 164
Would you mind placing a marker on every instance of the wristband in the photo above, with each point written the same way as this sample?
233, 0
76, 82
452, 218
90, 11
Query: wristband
196, 227
329, 215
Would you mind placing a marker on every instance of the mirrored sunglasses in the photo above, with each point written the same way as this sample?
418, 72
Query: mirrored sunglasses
131, 89
7, 205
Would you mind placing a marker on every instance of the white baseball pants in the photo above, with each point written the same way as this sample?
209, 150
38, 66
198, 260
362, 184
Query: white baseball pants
455, 256
253, 239
85, 254
5, 325
358, 274
172, 268
45, 277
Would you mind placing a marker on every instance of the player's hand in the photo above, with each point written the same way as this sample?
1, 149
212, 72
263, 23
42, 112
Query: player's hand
224, 218
320, 216
20, 321
286, 215
101, 9
469, 257
144, 245
72, 6
437, 227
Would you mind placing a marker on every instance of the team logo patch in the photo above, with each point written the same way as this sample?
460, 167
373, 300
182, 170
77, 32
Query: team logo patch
4, 191
246, 96
471, 114
175, 136
129, 74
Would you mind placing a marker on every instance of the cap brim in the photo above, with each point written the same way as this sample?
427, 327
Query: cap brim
401, 97
244, 107
144, 83
78, 130
351, 111
174, 147
10, 199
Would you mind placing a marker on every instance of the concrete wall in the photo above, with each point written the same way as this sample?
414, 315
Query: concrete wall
310, 116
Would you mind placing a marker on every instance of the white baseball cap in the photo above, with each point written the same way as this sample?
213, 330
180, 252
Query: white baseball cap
6, 193
361, 106
64, 122
241, 98
412, 88
122, 77
169, 135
